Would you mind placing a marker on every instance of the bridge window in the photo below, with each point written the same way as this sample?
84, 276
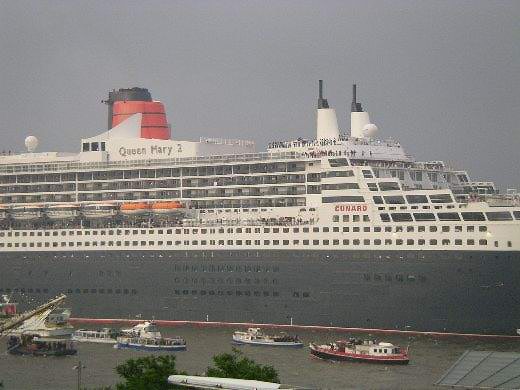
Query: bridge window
389, 186
420, 217
499, 216
416, 198
473, 216
337, 199
448, 216
441, 198
394, 200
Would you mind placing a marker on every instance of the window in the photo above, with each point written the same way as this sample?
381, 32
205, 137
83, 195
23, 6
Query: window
401, 217
499, 216
337, 174
473, 216
340, 186
445, 229
394, 200
336, 199
433, 229
378, 199
420, 217
448, 216
389, 186
416, 198
441, 198
338, 162
516, 214
482, 228
471, 242
385, 217
482, 242
433, 242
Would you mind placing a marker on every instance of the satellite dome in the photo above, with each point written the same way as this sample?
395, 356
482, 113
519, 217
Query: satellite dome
31, 143
369, 130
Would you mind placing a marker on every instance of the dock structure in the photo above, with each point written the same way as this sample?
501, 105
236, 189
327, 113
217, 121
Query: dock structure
484, 370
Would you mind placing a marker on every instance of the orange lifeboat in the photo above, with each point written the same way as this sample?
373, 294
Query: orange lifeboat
135, 209
168, 208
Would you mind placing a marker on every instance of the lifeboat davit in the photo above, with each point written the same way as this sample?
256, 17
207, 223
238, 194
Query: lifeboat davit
3, 212
99, 210
136, 209
27, 213
62, 211
168, 208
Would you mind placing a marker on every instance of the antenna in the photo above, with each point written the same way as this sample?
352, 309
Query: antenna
322, 103
355, 107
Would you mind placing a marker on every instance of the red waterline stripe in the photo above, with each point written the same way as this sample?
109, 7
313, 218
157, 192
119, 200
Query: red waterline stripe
212, 324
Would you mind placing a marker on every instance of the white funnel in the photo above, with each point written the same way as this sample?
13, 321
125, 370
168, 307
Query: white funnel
326, 121
358, 120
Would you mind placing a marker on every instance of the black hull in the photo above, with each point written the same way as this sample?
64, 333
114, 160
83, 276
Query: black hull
465, 292
336, 358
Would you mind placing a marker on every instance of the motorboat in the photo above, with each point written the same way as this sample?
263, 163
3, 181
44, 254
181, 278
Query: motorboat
369, 351
255, 336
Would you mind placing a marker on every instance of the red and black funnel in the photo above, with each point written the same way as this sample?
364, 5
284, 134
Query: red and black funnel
126, 102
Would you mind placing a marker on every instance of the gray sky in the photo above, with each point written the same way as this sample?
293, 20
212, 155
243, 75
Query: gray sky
442, 77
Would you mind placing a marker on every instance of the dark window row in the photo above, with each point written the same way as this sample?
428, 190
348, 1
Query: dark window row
238, 293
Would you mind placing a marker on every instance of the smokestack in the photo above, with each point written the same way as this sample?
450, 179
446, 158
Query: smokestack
355, 107
326, 121
358, 118
322, 103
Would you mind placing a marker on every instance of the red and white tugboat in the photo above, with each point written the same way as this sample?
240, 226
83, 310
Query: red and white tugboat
368, 351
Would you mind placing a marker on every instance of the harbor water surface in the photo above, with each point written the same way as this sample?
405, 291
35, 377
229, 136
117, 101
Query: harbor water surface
430, 358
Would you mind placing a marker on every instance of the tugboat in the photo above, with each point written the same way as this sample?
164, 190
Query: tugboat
26, 344
146, 337
102, 336
356, 350
255, 336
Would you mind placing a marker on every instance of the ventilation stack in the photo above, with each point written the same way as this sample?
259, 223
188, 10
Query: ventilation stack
126, 102
327, 122
358, 118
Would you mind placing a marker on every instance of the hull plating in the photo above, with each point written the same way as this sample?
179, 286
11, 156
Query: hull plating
468, 292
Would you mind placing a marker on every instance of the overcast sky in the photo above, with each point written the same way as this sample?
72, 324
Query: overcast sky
442, 77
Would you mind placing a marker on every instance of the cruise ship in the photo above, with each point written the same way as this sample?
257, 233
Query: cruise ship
345, 229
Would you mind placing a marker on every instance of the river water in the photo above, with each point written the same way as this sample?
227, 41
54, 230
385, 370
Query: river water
429, 359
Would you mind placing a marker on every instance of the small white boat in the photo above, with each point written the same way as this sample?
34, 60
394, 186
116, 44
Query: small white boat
102, 336
254, 336
151, 344
146, 337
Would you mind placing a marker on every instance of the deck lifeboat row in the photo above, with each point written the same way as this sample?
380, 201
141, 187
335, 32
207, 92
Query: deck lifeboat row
69, 211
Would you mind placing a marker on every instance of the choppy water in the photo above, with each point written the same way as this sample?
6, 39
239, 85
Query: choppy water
429, 359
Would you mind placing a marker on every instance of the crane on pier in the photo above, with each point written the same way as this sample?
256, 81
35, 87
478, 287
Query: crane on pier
43, 309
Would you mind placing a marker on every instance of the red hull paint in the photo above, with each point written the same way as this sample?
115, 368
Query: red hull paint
209, 324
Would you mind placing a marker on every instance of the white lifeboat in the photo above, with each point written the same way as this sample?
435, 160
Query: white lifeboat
135, 209
62, 211
168, 208
27, 213
99, 210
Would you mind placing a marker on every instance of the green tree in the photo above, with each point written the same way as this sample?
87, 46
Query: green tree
147, 373
236, 365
